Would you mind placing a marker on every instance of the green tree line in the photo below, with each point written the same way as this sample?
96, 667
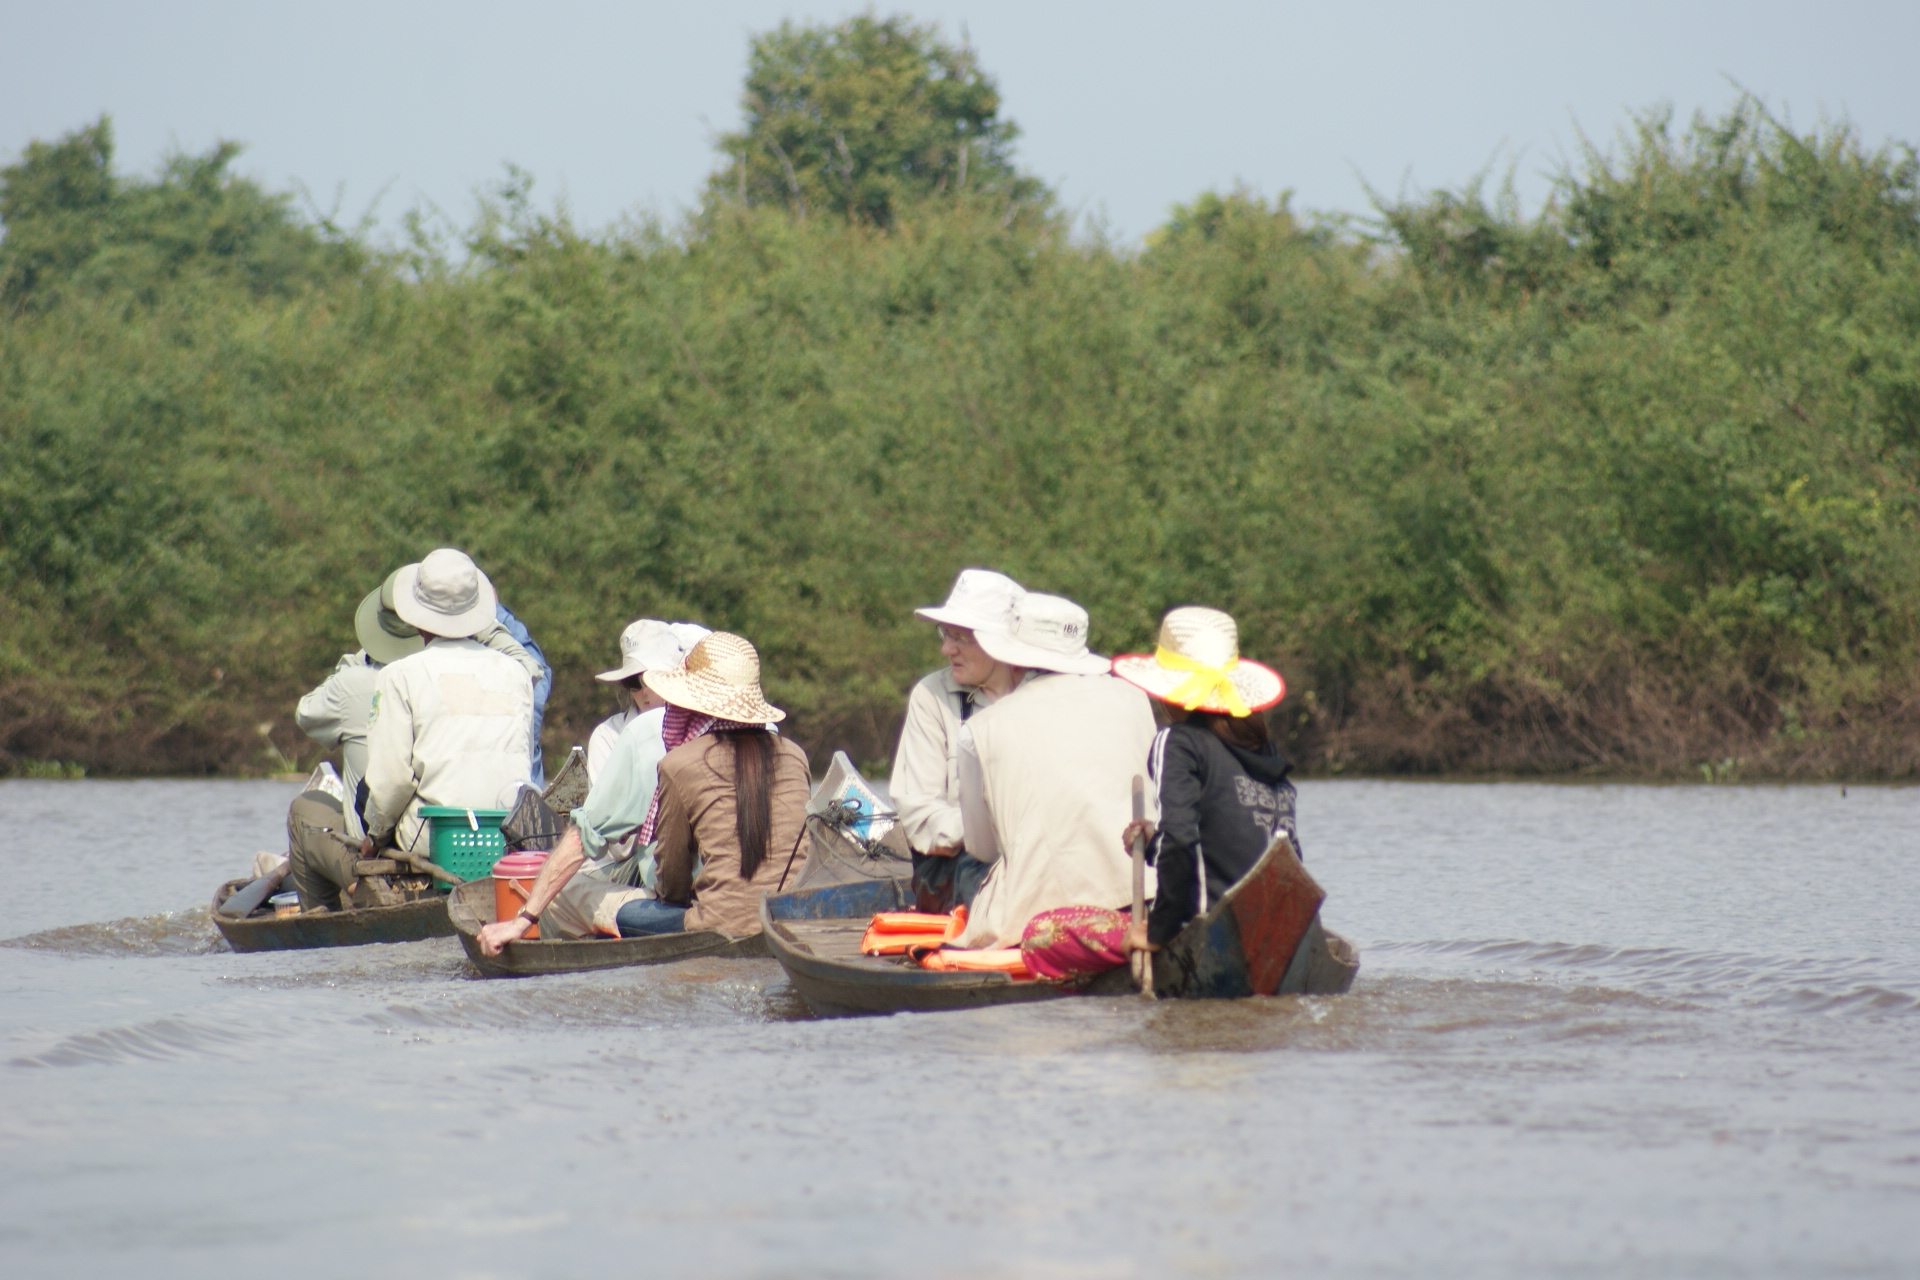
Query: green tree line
1627, 485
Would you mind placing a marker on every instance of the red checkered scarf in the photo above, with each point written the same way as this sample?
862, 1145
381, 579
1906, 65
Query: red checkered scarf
682, 725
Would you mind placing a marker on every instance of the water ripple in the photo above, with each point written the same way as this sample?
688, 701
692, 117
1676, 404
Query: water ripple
160, 1040
1806, 984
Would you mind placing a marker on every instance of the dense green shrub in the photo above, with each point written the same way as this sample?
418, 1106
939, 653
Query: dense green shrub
1627, 485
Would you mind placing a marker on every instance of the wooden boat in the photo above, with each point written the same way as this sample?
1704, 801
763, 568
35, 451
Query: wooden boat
424, 916
471, 906
1263, 938
398, 899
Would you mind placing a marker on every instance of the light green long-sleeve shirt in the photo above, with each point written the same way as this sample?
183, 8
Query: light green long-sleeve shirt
336, 715
622, 792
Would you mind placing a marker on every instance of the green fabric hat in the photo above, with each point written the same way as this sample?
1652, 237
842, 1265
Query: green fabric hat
382, 634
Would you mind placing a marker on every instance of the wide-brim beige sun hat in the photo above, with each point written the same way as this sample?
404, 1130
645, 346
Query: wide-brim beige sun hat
445, 595
980, 599
721, 678
1045, 633
649, 644
382, 632
1197, 665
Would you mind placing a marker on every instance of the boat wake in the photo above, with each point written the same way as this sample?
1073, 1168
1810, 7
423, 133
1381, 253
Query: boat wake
691, 993
161, 1040
1799, 983
177, 933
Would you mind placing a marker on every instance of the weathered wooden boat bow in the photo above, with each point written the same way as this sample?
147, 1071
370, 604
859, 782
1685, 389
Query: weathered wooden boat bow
408, 919
1263, 938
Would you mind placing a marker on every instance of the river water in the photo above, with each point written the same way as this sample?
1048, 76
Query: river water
1601, 1031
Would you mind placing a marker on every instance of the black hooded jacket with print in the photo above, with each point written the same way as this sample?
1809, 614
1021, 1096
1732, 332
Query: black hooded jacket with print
1220, 807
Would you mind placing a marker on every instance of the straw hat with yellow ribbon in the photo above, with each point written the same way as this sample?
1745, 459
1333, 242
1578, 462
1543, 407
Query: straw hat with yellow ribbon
1197, 665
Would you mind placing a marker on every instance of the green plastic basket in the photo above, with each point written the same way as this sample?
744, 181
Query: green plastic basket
466, 842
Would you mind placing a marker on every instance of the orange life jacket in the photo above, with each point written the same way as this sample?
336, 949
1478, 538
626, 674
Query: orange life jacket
891, 933
1007, 960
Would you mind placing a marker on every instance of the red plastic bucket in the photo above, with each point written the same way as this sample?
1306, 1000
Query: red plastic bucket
513, 877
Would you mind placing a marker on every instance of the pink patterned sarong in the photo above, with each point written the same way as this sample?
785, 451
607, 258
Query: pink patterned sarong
1072, 944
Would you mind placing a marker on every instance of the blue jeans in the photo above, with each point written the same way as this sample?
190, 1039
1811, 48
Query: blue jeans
644, 917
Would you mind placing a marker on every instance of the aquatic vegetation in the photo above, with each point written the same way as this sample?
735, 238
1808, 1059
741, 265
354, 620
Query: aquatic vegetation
54, 770
1626, 485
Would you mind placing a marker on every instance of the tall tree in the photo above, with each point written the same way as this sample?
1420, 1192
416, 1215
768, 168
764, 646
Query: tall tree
70, 222
862, 117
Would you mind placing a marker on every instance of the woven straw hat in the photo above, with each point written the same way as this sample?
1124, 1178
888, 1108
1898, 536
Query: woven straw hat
382, 633
980, 600
721, 678
1198, 666
1045, 633
650, 644
446, 595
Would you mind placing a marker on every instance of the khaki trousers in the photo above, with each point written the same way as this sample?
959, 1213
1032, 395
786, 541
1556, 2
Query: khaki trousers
317, 846
586, 907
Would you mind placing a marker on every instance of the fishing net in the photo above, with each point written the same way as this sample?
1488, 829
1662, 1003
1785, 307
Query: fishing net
568, 790
531, 824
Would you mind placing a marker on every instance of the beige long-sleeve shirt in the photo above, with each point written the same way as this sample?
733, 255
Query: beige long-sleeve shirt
449, 726
698, 846
336, 713
1057, 759
925, 786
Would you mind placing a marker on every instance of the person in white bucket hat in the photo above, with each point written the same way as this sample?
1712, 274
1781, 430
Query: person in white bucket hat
1044, 633
925, 786
1223, 786
647, 644
323, 846
451, 724
725, 817
600, 864
1046, 771
508, 635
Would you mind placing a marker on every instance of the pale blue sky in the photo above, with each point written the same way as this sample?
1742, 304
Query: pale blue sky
1126, 107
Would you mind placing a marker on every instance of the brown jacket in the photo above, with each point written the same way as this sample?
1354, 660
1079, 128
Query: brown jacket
697, 822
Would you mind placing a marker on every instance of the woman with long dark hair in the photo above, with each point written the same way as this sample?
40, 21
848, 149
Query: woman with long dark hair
731, 805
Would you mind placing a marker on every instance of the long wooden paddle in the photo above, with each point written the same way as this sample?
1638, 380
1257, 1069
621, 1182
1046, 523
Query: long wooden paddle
1142, 960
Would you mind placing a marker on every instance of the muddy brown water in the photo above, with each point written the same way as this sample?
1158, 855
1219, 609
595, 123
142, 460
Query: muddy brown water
1602, 1031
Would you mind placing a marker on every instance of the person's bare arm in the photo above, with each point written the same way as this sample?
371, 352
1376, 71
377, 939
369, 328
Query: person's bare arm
560, 867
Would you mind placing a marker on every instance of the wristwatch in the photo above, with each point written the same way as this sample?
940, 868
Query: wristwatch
528, 916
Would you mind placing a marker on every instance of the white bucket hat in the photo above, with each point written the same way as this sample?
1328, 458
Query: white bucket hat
382, 633
1045, 633
650, 644
445, 595
980, 600
721, 678
1197, 665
